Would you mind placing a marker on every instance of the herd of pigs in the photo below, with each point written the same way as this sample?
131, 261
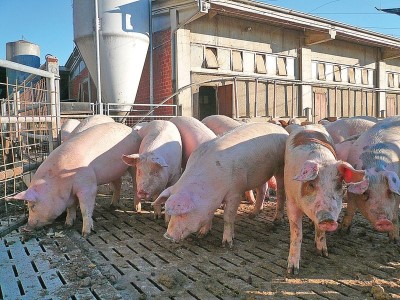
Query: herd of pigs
191, 168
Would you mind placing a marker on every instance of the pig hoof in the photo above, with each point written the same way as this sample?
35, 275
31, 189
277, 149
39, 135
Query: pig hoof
229, 243
293, 270
322, 252
252, 215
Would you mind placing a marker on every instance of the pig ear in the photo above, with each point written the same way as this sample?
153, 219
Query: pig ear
358, 187
393, 181
349, 174
178, 205
162, 197
130, 160
27, 195
159, 161
308, 172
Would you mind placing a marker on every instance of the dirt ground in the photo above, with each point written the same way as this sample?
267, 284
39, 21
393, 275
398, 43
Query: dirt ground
127, 257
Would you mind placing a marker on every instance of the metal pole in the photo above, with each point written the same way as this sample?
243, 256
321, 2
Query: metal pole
97, 29
151, 51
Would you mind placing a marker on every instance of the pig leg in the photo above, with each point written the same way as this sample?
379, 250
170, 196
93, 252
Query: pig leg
71, 215
394, 234
232, 203
261, 191
204, 229
349, 214
136, 201
87, 198
250, 196
295, 216
320, 242
280, 198
116, 184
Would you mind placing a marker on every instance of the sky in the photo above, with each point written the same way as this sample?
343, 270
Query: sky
48, 23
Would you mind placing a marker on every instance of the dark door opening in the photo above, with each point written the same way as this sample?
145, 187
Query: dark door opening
207, 102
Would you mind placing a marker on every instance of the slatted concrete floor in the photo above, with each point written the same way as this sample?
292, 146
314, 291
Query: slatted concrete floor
126, 257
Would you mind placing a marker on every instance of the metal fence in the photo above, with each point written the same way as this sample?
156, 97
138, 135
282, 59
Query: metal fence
29, 132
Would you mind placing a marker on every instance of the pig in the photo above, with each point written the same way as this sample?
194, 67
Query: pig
90, 122
344, 128
220, 124
193, 133
219, 172
93, 121
71, 173
343, 148
292, 127
67, 127
158, 161
376, 151
314, 186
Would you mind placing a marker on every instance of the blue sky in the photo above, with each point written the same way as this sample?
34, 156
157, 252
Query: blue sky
48, 23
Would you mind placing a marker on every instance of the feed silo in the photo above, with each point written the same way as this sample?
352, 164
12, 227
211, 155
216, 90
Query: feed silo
22, 52
123, 42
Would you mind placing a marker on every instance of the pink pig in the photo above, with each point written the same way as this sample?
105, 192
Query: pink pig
377, 151
193, 133
220, 171
158, 161
67, 127
220, 124
314, 186
71, 173
344, 128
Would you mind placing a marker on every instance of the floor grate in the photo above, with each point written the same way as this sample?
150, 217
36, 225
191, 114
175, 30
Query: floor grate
126, 257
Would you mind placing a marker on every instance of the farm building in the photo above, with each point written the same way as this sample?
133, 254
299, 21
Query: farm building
243, 59
247, 59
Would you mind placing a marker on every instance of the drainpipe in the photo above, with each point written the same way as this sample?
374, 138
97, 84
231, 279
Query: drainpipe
97, 29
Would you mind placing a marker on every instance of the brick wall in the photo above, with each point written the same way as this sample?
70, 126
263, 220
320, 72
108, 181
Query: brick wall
162, 73
74, 86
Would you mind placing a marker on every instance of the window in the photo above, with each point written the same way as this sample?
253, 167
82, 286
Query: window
364, 76
352, 75
321, 71
281, 63
211, 61
337, 73
260, 64
237, 61
390, 80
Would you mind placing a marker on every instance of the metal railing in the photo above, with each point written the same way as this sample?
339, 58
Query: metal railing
29, 131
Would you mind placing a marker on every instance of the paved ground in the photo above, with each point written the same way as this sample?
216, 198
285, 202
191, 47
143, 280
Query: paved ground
126, 257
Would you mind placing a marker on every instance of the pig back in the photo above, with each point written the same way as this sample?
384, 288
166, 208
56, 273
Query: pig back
247, 155
220, 124
379, 145
98, 149
344, 128
193, 133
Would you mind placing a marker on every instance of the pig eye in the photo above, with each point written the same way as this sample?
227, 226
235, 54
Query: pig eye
339, 185
31, 206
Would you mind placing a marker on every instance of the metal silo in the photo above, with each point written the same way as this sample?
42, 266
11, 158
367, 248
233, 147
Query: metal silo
22, 52
123, 32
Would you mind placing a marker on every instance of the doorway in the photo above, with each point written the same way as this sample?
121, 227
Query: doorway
207, 102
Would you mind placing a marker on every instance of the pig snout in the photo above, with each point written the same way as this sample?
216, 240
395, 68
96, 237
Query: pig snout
168, 237
326, 221
383, 225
